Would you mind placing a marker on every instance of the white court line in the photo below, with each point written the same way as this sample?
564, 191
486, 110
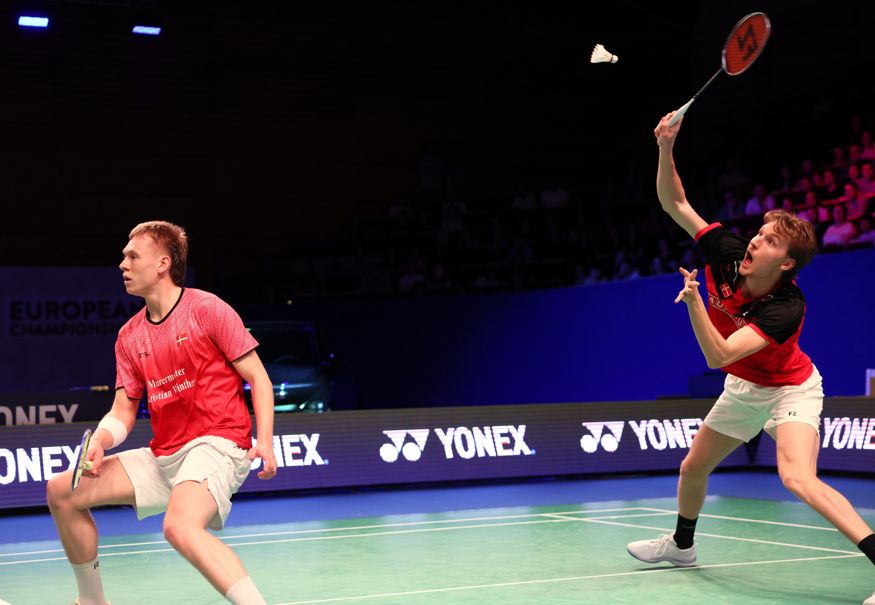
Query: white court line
553, 518
556, 580
800, 525
334, 529
699, 533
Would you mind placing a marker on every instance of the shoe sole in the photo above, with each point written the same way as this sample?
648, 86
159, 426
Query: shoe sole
672, 561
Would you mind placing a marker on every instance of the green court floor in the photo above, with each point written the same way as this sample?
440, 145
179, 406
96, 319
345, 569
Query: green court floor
750, 552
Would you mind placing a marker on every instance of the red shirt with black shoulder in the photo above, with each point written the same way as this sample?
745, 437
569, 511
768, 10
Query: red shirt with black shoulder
778, 316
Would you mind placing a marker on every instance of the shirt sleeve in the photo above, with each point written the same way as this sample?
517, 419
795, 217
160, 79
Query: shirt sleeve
719, 245
126, 376
225, 328
778, 319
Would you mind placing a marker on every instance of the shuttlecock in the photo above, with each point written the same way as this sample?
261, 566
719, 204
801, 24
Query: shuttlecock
601, 55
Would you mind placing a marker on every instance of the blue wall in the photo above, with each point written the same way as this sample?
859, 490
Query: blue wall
610, 342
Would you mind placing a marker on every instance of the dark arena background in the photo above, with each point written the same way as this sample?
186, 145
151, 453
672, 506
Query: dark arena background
440, 221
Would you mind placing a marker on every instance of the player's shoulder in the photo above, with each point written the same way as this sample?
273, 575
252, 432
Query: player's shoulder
789, 299
201, 301
132, 324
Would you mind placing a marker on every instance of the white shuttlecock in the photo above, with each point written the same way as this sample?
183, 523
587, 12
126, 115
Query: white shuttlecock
601, 55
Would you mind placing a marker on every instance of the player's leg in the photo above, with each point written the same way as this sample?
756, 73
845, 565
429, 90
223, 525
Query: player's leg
76, 528
203, 483
708, 450
798, 446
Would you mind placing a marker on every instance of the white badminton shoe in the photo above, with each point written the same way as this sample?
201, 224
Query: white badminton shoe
665, 549
76, 602
870, 600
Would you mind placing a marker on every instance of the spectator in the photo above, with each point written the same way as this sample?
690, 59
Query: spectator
866, 234
841, 232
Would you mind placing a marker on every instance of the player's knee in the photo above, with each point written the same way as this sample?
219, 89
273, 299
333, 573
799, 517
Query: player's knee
58, 492
797, 483
693, 469
178, 534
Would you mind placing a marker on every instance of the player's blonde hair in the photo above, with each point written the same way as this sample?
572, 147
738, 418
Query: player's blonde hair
801, 241
170, 237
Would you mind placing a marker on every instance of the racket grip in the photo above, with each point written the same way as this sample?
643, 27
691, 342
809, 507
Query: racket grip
680, 112
87, 465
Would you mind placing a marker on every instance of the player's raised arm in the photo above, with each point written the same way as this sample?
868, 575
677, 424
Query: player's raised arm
669, 188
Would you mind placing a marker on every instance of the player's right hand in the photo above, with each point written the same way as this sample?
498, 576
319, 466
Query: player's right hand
665, 134
691, 287
95, 457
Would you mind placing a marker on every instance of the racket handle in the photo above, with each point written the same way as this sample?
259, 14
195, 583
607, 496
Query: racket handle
680, 112
87, 465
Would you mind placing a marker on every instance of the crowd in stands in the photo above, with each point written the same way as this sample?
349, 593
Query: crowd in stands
556, 237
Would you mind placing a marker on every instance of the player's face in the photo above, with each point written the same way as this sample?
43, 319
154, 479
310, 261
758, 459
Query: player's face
141, 264
766, 254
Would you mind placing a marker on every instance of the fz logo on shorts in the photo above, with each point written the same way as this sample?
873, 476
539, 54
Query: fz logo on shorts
462, 441
609, 440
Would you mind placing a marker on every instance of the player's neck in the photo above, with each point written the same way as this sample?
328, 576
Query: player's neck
758, 287
162, 300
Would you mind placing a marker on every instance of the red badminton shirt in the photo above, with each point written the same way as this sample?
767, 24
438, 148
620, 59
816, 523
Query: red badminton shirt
184, 363
777, 317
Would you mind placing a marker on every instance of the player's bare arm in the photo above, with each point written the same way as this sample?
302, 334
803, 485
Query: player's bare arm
669, 188
719, 352
251, 369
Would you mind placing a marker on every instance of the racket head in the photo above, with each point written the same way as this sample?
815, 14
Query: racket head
80, 458
745, 43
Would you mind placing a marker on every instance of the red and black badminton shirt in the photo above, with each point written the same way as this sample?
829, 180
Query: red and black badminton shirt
184, 363
777, 316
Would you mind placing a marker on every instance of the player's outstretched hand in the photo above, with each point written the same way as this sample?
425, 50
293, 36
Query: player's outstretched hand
264, 449
691, 287
665, 134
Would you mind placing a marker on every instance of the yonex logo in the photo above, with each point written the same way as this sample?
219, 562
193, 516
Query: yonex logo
609, 440
462, 441
294, 450
411, 450
849, 433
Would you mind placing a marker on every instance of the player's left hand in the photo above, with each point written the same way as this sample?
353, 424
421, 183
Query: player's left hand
691, 287
264, 449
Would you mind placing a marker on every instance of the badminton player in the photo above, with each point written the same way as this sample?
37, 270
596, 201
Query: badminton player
750, 328
189, 350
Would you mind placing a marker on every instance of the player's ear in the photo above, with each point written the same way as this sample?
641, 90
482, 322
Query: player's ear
788, 264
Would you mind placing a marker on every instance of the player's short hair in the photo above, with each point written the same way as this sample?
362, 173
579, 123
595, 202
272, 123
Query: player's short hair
170, 237
801, 240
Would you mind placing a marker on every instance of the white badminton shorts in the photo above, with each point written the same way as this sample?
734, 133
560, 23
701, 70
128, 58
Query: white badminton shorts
745, 408
217, 460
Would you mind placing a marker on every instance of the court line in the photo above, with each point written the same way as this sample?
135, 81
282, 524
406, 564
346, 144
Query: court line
556, 580
333, 529
800, 525
552, 518
700, 533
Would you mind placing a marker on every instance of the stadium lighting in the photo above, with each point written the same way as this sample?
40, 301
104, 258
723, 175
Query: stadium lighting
146, 30
31, 21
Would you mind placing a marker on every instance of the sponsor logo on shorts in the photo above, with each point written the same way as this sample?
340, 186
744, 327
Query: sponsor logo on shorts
462, 441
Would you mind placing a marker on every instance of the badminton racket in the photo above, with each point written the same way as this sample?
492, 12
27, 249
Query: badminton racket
82, 464
745, 43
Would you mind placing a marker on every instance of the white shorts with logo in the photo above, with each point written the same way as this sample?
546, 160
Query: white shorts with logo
217, 460
745, 408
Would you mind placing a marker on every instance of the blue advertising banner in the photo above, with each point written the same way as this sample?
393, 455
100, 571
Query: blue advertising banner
847, 437
379, 447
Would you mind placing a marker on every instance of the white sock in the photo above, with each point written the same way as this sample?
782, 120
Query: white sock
244, 592
88, 581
